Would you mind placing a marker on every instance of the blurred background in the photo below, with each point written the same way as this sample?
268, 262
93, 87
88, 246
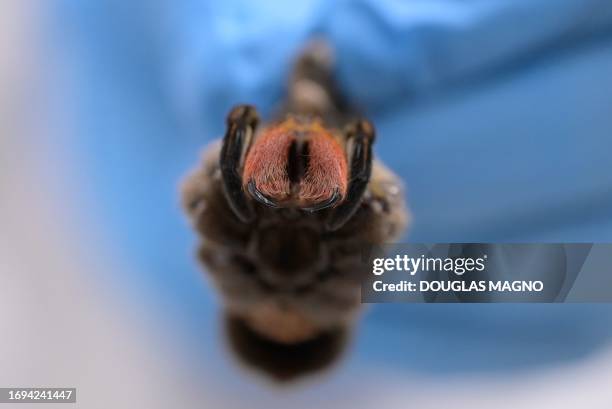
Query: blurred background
497, 114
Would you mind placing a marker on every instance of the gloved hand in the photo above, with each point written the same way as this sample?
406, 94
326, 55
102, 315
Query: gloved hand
495, 113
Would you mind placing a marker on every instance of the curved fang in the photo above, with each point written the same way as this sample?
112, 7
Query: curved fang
257, 195
327, 203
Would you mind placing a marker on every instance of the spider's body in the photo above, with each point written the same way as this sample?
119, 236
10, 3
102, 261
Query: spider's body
285, 209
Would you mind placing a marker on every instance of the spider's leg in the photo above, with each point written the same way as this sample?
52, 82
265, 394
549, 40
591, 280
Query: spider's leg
312, 89
241, 124
360, 137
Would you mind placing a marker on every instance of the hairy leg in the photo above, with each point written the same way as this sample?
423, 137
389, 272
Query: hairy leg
241, 124
360, 137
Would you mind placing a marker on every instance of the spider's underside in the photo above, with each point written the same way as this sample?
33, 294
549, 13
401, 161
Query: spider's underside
282, 228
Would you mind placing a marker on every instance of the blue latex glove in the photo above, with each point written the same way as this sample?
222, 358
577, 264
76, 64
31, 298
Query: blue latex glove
496, 113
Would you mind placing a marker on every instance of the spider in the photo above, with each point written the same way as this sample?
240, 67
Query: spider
284, 209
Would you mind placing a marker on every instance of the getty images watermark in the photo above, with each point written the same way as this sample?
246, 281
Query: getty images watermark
488, 273
457, 266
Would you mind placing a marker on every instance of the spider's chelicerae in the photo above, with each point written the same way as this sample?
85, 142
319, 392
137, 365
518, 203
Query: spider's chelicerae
284, 209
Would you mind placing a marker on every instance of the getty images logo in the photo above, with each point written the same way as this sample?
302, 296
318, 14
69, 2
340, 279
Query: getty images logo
473, 272
413, 265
